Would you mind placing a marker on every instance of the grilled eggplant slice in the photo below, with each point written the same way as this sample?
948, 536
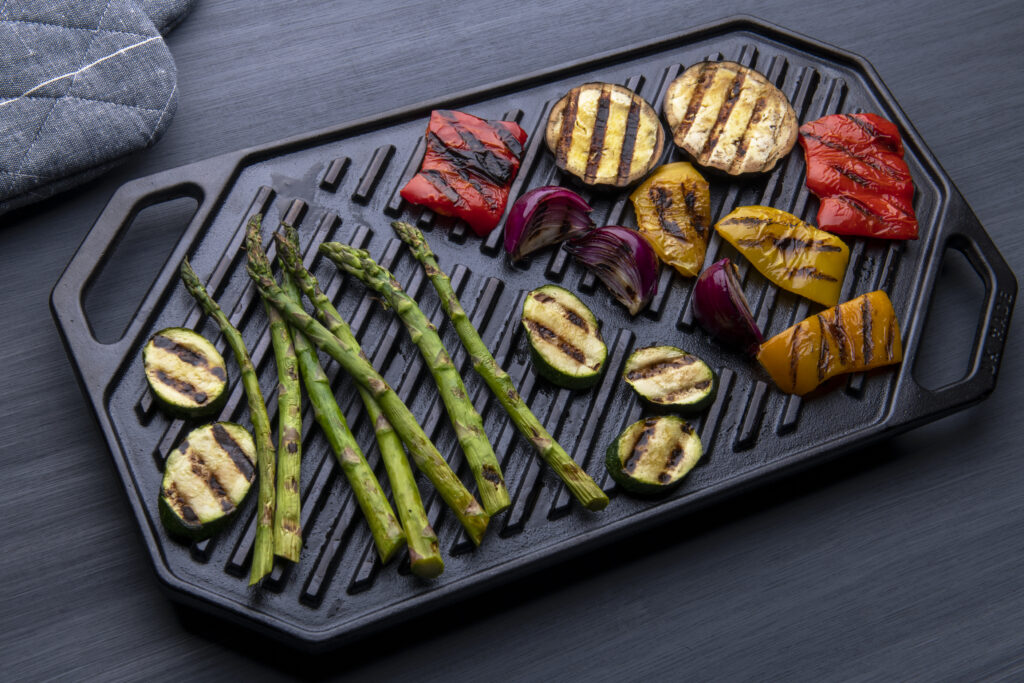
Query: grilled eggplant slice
185, 372
605, 134
668, 377
730, 117
565, 338
651, 456
206, 478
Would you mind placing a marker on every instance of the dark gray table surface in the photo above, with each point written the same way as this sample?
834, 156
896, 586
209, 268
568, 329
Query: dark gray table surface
902, 561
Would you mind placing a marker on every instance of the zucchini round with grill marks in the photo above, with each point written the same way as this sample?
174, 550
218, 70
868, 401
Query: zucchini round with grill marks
206, 478
651, 456
185, 372
669, 377
565, 337
605, 134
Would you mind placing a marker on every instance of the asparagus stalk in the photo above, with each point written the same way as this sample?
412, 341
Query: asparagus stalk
469, 427
588, 493
263, 548
424, 555
387, 532
288, 511
468, 511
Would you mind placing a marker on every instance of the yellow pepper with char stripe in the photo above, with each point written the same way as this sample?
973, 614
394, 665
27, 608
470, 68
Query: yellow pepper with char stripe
673, 213
861, 334
794, 255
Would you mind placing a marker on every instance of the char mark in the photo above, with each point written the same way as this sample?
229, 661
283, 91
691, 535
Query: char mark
515, 147
234, 451
476, 159
182, 387
436, 178
811, 273
866, 325
732, 95
890, 338
789, 244
604, 103
629, 141
795, 342
876, 136
860, 180
834, 327
660, 367
568, 124
824, 352
744, 143
185, 354
640, 445
662, 201
552, 337
674, 458
860, 207
863, 158
704, 79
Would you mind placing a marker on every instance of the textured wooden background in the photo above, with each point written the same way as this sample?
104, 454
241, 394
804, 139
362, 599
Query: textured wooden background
898, 562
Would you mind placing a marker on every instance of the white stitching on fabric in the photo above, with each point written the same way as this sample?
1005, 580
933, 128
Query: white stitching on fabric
75, 73
42, 125
72, 28
85, 99
160, 120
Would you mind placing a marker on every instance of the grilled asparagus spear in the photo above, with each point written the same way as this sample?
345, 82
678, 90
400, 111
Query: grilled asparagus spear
469, 426
588, 493
263, 548
387, 532
468, 511
424, 555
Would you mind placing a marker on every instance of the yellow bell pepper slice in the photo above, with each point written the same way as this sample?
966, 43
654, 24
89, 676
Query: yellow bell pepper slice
861, 334
673, 213
794, 255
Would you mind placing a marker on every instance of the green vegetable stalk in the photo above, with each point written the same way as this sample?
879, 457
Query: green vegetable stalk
263, 548
387, 532
468, 511
424, 555
469, 427
585, 490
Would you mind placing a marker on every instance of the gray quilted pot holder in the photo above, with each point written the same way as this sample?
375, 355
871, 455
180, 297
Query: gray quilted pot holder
82, 85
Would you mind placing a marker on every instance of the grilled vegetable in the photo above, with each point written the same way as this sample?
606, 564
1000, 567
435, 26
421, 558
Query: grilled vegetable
263, 546
565, 338
468, 168
623, 260
424, 556
794, 255
668, 377
466, 421
721, 308
185, 372
605, 134
579, 483
651, 456
861, 334
206, 478
673, 212
466, 509
544, 216
730, 117
855, 165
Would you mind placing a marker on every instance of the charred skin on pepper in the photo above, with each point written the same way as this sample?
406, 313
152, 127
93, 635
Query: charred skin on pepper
468, 168
673, 212
857, 335
855, 166
794, 255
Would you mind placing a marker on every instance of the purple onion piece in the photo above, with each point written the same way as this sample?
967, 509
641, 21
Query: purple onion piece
721, 308
543, 216
623, 260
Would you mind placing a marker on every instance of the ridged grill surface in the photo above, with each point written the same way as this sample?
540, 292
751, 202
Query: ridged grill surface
347, 189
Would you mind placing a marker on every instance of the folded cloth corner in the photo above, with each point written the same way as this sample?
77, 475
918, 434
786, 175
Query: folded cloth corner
84, 85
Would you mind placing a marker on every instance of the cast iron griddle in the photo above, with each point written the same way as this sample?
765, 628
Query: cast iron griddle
343, 184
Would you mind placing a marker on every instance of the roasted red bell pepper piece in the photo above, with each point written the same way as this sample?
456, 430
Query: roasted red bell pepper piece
468, 168
855, 165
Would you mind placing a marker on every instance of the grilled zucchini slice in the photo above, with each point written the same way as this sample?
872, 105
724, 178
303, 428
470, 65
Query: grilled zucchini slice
651, 456
565, 338
668, 377
185, 372
605, 134
730, 117
206, 478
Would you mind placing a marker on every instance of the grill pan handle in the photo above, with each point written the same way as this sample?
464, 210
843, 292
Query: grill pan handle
97, 361
965, 234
